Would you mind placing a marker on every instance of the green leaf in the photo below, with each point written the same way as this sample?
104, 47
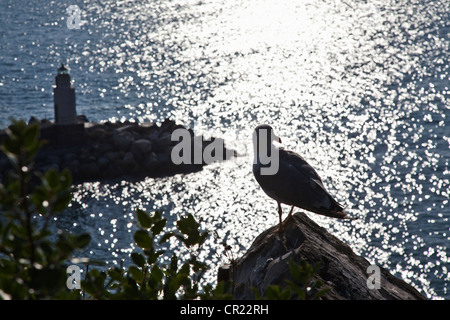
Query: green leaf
52, 178
65, 179
190, 227
187, 225
156, 276
143, 239
138, 259
273, 292
153, 256
158, 226
11, 147
136, 274
31, 135
82, 240
115, 274
61, 202
166, 237
144, 219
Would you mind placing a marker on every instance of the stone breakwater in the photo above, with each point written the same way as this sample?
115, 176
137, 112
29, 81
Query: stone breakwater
96, 151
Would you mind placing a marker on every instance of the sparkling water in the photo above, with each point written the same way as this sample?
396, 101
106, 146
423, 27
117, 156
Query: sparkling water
359, 88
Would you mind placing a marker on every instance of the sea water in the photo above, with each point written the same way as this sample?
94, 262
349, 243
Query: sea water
359, 88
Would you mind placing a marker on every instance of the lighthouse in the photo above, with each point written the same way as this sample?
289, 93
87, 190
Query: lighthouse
64, 97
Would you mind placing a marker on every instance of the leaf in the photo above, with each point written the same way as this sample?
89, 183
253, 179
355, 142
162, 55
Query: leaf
158, 226
153, 256
61, 202
65, 179
138, 259
155, 278
31, 135
52, 178
187, 225
143, 239
11, 147
166, 237
82, 240
190, 227
144, 219
115, 274
136, 274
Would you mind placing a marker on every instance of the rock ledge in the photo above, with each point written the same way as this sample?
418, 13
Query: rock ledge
341, 270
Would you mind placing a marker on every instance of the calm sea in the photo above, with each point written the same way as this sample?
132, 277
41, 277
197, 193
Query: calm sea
359, 88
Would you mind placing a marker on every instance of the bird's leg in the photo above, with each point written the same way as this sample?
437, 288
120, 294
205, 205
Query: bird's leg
289, 216
290, 212
280, 213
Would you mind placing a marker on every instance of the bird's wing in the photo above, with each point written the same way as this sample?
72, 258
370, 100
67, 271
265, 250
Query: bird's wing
303, 170
297, 183
307, 183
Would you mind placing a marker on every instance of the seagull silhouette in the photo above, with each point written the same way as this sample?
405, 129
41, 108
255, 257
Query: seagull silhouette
294, 182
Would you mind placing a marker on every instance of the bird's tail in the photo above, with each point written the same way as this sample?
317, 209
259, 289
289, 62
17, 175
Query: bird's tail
334, 214
335, 211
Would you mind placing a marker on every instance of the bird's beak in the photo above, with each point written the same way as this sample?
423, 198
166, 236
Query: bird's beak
279, 140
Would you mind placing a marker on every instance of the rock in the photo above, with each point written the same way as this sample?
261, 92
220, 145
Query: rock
50, 166
89, 170
52, 159
82, 118
69, 157
163, 141
151, 161
128, 160
106, 150
33, 119
344, 272
103, 162
142, 145
140, 149
122, 139
99, 133
166, 126
111, 155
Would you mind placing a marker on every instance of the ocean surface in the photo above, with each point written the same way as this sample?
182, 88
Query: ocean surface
361, 89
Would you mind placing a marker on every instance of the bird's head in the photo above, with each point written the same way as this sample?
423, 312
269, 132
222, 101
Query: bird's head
267, 130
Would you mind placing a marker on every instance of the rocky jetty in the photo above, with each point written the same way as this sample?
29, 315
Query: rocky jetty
340, 269
96, 151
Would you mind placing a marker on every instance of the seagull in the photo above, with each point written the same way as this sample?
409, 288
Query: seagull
293, 182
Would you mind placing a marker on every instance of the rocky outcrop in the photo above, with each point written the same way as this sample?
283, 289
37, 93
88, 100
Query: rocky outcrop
96, 151
340, 269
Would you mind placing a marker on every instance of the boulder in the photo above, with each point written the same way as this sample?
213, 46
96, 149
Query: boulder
89, 170
340, 269
143, 145
103, 162
111, 155
122, 139
167, 126
99, 133
69, 157
128, 160
150, 162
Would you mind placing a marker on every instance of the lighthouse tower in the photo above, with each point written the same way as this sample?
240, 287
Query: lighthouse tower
64, 98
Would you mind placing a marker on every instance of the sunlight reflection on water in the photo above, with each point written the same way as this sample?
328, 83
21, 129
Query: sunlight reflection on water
360, 89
